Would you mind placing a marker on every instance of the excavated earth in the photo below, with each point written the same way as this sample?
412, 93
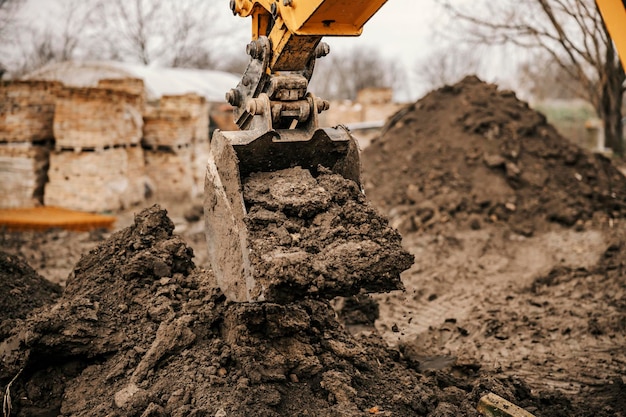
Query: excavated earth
318, 237
519, 244
518, 288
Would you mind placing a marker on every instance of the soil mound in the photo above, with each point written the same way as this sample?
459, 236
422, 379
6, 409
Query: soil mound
474, 154
140, 332
22, 290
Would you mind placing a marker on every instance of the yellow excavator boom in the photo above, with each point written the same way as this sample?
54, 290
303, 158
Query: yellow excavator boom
614, 16
295, 27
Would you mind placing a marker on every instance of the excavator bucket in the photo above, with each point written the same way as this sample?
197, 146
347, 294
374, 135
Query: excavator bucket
236, 155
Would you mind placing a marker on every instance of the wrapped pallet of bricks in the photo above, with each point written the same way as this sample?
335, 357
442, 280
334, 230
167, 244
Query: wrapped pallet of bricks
27, 110
198, 109
23, 170
137, 178
96, 118
26, 115
170, 173
95, 164
167, 128
133, 86
167, 141
92, 181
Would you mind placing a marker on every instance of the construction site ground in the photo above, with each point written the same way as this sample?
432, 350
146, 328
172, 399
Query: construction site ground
518, 288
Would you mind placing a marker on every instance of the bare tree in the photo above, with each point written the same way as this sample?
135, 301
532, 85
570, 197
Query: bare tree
8, 9
179, 34
35, 44
571, 32
447, 66
342, 77
543, 78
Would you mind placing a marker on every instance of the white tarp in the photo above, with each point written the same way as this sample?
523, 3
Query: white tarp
158, 81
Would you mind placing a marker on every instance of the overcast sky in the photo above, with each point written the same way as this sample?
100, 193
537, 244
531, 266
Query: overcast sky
402, 30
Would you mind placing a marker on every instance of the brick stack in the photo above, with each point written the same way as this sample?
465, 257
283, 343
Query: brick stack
136, 165
26, 113
198, 109
96, 159
169, 129
133, 86
173, 129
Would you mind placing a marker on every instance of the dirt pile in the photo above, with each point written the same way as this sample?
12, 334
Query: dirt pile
21, 291
140, 332
519, 251
474, 154
318, 237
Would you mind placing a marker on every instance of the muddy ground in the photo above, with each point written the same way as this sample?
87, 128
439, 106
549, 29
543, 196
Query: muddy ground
518, 288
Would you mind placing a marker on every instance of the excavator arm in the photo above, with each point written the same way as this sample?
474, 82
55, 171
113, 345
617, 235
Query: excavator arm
286, 37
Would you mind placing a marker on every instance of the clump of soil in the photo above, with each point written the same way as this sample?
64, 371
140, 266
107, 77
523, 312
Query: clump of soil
22, 290
140, 332
318, 237
474, 154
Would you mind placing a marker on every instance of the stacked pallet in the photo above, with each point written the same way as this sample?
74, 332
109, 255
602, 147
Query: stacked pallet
134, 86
174, 132
95, 118
91, 181
167, 128
26, 114
170, 173
26, 110
22, 174
198, 109
96, 162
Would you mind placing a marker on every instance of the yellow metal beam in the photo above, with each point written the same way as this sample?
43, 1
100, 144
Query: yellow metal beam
300, 24
328, 17
614, 15
313, 17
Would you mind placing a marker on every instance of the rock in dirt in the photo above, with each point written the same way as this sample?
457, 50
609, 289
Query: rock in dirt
473, 150
318, 237
492, 405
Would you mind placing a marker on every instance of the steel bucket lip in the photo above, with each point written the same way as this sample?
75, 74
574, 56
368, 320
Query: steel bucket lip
333, 148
